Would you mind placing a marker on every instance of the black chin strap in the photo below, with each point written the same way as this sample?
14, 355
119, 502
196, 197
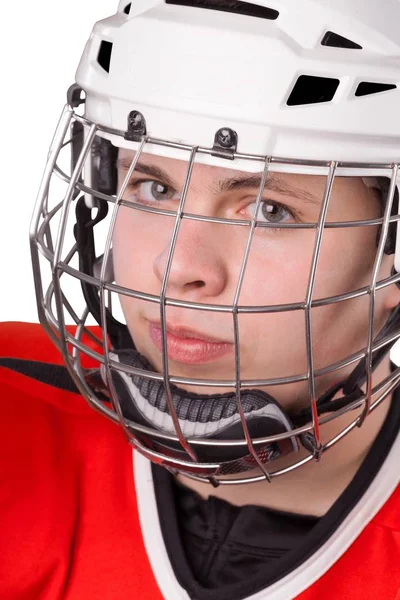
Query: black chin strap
83, 232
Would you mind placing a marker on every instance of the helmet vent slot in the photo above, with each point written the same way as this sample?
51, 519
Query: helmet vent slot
367, 88
313, 90
237, 7
334, 40
127, 8
104, 55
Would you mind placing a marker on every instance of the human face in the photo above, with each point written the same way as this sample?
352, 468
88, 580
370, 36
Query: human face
206, 266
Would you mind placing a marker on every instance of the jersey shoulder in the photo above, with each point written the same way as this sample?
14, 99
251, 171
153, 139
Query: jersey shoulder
68, 497
32, 373
27, 341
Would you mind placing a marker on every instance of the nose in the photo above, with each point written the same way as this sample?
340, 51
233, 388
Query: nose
198, 266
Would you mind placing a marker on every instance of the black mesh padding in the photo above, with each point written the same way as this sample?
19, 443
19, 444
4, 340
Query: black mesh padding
195, 408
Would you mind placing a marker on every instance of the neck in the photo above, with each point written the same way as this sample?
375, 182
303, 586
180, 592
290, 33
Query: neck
314, 487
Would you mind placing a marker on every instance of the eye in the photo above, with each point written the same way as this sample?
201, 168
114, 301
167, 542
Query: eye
271, 212
153, 191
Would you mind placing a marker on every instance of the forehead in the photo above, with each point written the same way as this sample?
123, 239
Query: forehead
179, 168
217, 176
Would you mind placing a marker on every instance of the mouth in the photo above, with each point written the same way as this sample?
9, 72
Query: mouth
188, 346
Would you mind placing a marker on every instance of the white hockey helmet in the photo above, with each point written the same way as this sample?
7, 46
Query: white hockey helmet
261, 86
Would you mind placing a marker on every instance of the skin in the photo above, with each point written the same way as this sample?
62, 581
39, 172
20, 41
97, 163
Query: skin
205, 269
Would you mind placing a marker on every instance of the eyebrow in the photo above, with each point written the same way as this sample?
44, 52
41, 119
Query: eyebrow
239, 182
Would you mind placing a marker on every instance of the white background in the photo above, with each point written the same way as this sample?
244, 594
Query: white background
40, 46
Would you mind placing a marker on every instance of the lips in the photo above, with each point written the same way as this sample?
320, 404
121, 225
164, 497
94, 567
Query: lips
187, 333
189, 346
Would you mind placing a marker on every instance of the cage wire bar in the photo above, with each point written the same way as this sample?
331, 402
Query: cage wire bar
41, 210
307, 307
241, 222
163, 293
393, 380
227, 383
56, 269
372, 290
253, 224
76, 343
102, 288
276, 308
41, 241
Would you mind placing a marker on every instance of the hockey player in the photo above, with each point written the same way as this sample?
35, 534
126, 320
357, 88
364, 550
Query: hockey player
218, 221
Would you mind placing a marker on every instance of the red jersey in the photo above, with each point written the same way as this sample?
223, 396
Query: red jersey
79, 518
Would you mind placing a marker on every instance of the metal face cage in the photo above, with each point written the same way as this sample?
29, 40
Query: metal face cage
74, 283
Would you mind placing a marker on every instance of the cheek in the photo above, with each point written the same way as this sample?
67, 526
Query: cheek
274, 343
278, 272
136, 242
124, 248
138, 239
278, 269
346, 261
